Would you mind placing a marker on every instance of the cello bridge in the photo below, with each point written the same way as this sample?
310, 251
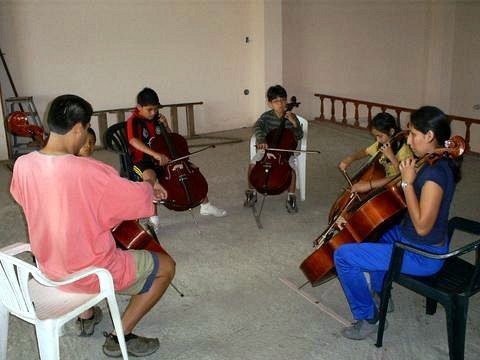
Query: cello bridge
340, 222
324, 237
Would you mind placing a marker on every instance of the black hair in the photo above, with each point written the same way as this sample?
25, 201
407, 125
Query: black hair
147, 97
276, 91
90, 131
431, 118
66, 111
384, 122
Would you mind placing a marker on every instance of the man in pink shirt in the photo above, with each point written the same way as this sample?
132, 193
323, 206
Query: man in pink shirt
71, 203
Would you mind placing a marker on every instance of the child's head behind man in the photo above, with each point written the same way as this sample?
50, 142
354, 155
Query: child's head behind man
89, 146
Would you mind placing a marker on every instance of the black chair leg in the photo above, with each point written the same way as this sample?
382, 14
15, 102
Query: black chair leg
382, 312
431, 306
459, 323
450, 314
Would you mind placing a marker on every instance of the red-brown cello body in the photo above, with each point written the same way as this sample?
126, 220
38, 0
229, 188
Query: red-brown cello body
17, 124
272, 175
183, 181
363, 220
371, 170
130, 234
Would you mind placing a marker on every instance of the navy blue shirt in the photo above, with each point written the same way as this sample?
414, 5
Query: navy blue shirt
441, 174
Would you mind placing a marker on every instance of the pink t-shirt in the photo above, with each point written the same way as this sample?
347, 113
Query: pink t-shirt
70, 204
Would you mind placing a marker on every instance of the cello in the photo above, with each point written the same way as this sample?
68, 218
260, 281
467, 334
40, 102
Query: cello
130, 235
362, 219
272, 174
369, 171
17, 124
183, 181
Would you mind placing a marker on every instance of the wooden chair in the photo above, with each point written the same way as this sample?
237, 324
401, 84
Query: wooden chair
452, 286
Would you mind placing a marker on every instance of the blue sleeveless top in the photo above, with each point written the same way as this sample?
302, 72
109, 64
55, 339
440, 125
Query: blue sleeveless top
440, 173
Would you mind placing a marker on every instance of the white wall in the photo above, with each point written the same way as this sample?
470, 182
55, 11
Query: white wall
3, 141
407, 53
372, 50
107, 50
465, 91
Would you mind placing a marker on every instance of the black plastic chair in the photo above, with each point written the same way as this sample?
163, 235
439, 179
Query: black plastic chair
452, 286
115, 139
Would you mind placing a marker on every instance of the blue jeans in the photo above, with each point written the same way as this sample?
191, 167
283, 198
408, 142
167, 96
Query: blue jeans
352, 260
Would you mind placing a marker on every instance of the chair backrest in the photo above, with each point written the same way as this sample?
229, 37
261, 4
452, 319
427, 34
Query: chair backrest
304, 124
457, 276
471, 227
15, 296
116, 140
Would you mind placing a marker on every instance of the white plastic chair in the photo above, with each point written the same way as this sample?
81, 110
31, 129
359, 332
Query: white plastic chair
301, 160
29, 295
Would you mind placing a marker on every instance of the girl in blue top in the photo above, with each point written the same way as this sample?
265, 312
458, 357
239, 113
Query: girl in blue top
428, 194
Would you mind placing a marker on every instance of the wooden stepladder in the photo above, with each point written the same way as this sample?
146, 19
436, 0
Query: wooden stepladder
19, 142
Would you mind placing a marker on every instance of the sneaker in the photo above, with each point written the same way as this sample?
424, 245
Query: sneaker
209, 209
376, 299
137, 346
250, 198
86, 327
361, 329
291, 204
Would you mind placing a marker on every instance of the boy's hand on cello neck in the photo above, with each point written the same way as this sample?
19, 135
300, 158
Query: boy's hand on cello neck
164, 121
292, 118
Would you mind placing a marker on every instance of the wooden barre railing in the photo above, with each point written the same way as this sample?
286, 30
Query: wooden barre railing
120, 113
398, 110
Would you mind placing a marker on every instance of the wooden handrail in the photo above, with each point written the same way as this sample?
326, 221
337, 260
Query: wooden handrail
383, 107
121, 116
